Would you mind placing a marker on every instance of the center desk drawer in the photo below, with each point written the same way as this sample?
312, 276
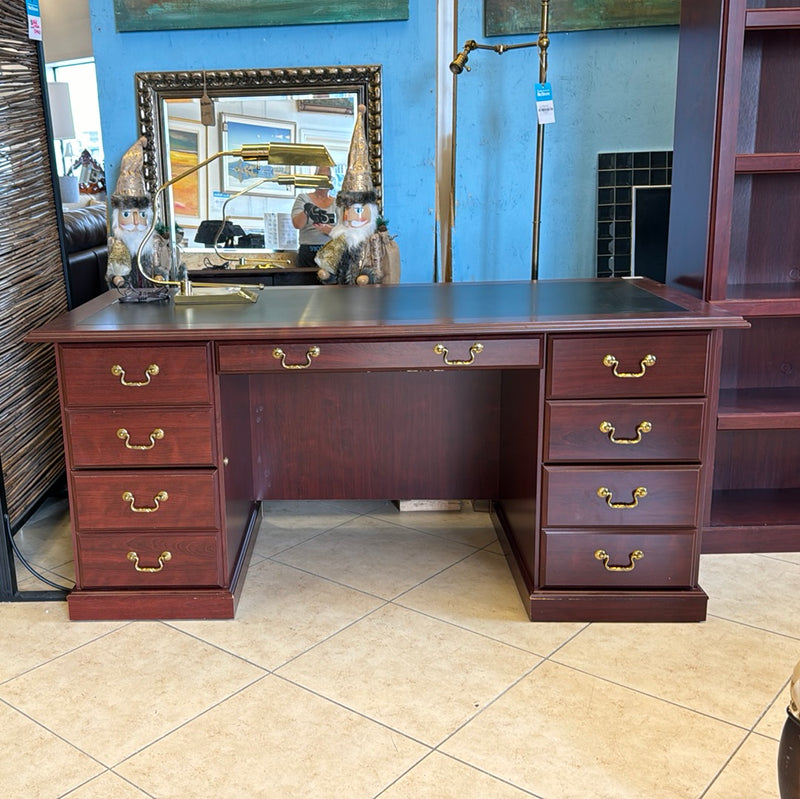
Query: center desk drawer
615, 430
619, 497
441, 353
141, 437
137, 375
155, 499
668, 365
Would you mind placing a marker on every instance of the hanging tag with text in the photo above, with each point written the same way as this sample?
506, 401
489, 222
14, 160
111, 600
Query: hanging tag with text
545, 112
34, 20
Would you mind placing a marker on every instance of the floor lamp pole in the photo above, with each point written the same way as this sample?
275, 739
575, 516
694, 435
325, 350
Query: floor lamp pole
543, 43
459, 64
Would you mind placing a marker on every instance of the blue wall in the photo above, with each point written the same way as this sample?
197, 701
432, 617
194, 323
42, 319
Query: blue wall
614, 90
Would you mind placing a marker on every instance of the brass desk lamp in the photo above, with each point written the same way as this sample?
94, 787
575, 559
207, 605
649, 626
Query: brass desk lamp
272, 153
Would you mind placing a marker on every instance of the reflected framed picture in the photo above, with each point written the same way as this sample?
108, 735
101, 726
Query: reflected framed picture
187, 148
506, 17
338, 144
238, 174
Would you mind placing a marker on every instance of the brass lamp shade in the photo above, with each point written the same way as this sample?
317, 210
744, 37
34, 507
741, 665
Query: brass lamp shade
293, 154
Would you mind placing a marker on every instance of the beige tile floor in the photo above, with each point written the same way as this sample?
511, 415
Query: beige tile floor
379, 653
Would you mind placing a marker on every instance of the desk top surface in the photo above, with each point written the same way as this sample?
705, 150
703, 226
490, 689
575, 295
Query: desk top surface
407, 310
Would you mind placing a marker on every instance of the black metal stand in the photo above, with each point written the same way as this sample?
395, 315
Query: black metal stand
789, 759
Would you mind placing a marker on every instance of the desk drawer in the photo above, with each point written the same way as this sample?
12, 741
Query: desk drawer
616, 430
441, 353
633, 560
645, 366
137, 375
141, 437
618, 497
142, 560
145, 500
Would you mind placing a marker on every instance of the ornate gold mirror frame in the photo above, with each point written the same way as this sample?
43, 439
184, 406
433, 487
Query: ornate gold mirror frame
153, 89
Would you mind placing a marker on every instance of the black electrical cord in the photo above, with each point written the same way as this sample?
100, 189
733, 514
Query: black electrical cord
36, 574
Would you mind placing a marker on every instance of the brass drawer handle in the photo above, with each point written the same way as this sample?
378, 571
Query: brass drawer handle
476, 348
162, 558
612, 362
641, 429
637, 554
119, 372
313, 352
156, 435
161, 496
606, 494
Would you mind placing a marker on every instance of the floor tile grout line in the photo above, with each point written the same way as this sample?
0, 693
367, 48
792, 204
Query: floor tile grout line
55, 734
463, 763
479, 633
121, 625
327, 638
359, 713
752, 626
641, 692
172, 624
195, 717
488, 704
725, 765
274, 559
304, 541
433, 533
109, 770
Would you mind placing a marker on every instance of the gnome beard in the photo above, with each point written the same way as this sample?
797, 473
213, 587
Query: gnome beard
129, 228
355, 236
131, 235
348, 257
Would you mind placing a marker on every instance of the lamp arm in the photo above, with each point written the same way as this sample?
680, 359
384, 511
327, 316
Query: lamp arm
238, 194
151, 229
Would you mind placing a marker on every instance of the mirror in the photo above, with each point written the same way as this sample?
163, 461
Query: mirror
189, 116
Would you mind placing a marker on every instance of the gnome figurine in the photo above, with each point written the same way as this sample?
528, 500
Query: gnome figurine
131, 213
360, 250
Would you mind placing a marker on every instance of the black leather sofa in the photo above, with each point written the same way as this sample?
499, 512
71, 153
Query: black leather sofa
86, 244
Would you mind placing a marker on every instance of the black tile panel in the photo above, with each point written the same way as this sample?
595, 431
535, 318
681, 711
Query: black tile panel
617, 175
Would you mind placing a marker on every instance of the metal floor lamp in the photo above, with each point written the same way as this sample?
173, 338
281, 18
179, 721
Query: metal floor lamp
459, 64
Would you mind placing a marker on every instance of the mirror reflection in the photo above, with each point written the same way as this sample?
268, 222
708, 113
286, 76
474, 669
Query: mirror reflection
188, 117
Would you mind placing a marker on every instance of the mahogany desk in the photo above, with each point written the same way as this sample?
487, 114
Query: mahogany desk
580, 408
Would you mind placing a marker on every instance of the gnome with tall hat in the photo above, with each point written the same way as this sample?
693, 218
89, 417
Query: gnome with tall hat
131, 213
360, 250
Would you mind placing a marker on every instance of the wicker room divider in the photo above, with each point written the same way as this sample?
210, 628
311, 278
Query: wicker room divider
32, 284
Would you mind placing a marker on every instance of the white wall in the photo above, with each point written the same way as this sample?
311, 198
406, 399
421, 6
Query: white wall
66, 33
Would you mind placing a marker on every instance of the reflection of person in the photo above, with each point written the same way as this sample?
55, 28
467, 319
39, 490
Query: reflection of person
314, 216
360, 250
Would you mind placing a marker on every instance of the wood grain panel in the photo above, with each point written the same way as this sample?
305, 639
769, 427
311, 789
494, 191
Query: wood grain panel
186, 437
570, 561
183, 376
193, 560
577, 367
571, 498
378, 435
192, 500
575, 434
461, 353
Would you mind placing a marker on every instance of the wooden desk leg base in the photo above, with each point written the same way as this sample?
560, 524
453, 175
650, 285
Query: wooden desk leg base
173, 603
